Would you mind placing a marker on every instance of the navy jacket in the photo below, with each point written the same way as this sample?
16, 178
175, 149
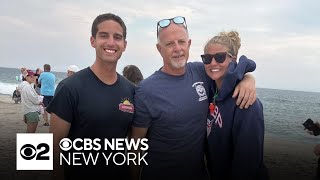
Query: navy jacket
235, 136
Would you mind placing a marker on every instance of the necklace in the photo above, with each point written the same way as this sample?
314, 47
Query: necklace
213, 104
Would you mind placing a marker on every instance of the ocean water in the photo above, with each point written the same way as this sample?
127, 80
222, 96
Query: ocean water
8, 81
284, 110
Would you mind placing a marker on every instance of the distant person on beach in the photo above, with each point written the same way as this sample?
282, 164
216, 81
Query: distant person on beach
30, 102
133, 74
316, 151
16, 96
37, 86
72, 69
171, 107
235, 136
47, 81
21, 76
95, 102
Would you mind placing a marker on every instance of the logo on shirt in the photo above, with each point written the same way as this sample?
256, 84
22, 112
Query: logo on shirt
209, 125
126, 106
201, 91
215, 117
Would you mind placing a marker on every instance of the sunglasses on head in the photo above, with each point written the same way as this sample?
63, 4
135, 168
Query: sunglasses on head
219, 57
166, 22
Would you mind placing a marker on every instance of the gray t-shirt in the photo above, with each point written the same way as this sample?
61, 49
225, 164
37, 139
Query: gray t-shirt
174, 108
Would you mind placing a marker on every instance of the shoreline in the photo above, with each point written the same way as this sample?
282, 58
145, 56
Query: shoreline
285, 159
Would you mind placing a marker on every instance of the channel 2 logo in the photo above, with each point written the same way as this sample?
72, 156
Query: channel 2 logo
28, 151
34, 151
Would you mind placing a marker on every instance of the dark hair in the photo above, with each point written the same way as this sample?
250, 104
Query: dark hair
132, 73
47, 67
37, 71
105, 17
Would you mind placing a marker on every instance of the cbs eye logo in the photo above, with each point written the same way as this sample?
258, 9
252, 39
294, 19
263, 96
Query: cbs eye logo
28, 151
65, 144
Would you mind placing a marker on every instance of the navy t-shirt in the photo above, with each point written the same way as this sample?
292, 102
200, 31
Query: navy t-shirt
95, 110
174, 108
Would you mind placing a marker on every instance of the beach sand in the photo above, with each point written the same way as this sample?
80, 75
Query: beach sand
10, 124
283, 158
289, 160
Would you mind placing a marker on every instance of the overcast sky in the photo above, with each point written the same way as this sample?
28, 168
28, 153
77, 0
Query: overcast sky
281, 36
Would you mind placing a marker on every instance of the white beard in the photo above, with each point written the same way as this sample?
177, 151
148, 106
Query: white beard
179, 64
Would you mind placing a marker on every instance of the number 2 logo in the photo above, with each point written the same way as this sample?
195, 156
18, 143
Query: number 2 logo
28, 151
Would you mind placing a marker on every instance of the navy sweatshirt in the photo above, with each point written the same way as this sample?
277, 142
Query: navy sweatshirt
235, 136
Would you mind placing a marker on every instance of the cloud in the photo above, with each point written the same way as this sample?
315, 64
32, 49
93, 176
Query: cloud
281, 36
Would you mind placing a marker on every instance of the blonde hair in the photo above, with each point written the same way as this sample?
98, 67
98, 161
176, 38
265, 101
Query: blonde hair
229, 39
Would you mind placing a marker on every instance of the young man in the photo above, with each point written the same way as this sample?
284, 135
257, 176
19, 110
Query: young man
171, 109
47, 81
96, 102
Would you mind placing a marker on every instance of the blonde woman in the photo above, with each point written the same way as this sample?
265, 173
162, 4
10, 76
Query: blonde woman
235, 136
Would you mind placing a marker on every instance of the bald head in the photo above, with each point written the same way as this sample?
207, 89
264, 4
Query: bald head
177, 28
173, 45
